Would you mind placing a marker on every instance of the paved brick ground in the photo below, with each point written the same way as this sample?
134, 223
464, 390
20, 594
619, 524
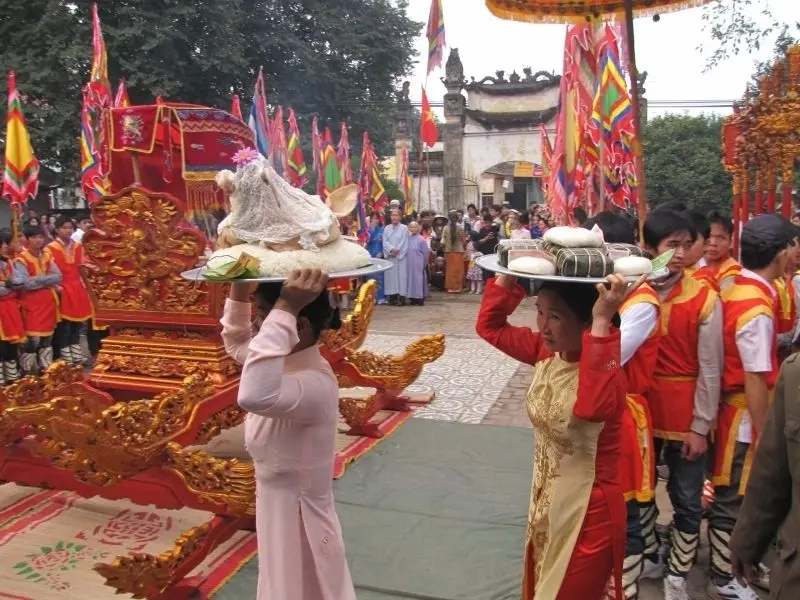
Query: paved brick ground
510, 406
455, 316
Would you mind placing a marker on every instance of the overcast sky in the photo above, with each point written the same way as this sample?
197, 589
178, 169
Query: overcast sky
667, 50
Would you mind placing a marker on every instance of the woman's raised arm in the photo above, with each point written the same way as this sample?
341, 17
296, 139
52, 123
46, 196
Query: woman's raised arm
501, 298
236, 322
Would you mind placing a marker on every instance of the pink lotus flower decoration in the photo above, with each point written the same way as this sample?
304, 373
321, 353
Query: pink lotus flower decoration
245, 156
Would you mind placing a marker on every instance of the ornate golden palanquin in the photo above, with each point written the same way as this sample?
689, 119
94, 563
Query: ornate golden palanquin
58, 432
761, 143
162, 327
163, 382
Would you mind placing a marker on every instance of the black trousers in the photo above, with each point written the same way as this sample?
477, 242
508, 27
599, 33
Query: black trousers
8, 352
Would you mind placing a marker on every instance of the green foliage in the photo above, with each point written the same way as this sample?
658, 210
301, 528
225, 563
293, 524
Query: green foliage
339, 59
393, 190
682, 158
733, 28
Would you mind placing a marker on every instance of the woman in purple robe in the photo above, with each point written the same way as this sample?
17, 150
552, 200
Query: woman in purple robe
416, 261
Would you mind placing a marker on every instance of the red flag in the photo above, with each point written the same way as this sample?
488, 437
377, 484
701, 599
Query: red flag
236, 108
428, 131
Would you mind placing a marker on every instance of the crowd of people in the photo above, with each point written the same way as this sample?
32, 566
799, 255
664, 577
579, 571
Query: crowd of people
433, 251
687, 379
45, 307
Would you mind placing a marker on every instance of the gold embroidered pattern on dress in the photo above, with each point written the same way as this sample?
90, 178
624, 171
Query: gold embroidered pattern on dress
550, 401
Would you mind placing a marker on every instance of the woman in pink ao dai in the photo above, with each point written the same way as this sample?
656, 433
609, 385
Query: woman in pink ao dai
291, 396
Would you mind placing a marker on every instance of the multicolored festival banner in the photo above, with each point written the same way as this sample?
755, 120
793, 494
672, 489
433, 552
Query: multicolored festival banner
343, 156
121, 99
21, 172
406, 183
435, 35
297, 170
259, 118
96, 98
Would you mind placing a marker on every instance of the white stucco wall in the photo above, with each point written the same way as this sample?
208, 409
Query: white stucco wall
484, 149
429, 201
541, 100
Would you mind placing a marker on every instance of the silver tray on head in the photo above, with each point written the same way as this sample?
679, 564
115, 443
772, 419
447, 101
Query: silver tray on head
490, 262
377, 265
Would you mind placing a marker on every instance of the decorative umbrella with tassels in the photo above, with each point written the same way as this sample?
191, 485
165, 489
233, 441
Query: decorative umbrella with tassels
579, 11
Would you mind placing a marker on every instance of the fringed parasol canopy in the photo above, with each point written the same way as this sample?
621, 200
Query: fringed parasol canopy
579, 11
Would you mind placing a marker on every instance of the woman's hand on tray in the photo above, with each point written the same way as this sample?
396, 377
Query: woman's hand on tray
505, 281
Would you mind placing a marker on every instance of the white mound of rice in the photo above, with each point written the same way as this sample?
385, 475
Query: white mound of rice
338, 256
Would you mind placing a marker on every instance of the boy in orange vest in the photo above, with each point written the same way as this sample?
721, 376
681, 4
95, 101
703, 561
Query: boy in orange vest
749, 376
719, 263
639, 326
39, 274
76, 305
12, 331
787, 286
684, 395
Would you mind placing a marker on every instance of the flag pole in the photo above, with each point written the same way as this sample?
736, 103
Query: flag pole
637, 144
15, 229
601, 201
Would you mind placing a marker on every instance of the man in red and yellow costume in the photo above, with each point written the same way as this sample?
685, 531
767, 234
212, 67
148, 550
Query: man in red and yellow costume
684, 395
40, 277
639, 328
695, 256
787, 286
719, 262
749, 376
76, 304
12, 331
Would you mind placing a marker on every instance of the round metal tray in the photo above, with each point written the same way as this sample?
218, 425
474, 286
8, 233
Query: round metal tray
490, 262
377, 265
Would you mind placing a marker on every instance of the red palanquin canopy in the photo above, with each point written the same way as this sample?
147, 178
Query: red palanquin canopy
177, 148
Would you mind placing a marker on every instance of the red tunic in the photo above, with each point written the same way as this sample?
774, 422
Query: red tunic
340, 286
742, 301
637, 461
599, 550
671, 397
12, 330
39, 307
76, 305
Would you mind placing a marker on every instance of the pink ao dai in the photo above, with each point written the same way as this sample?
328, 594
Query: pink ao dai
290, 431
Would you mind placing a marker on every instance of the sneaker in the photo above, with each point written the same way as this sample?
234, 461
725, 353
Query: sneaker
732, 590
652, 569
675, 588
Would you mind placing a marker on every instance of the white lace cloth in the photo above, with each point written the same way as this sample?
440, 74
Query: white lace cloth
266, 209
